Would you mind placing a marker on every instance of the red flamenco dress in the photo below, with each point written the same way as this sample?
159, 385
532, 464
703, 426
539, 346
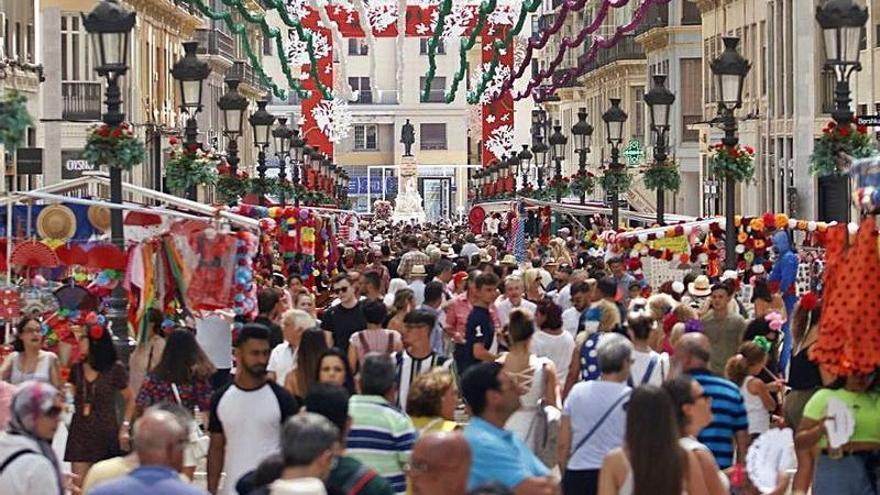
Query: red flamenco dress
849, 331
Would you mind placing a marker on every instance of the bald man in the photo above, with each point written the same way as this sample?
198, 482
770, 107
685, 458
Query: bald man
440, 464
159, 440
730, 424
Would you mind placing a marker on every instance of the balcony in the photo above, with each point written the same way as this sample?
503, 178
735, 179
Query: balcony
625, 49
658, 16
378, 97
81, 100
247, 74
214, 42
558, 74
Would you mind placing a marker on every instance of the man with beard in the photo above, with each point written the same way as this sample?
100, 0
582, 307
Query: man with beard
247, 414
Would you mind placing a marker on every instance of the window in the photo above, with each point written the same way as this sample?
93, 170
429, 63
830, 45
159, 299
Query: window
423, 47
691, 105
437, 91
366, 137
4, 34
76, 63
433, 136
361, 84
267, 45
638, 128
358, 47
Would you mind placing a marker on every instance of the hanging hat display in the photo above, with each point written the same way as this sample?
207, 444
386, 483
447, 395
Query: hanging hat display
56, 222
99, 217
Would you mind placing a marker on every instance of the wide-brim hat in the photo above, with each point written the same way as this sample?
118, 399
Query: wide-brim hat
700, 287
484, 255
99, 217
56, 222
418, 271
446, 250
509, 259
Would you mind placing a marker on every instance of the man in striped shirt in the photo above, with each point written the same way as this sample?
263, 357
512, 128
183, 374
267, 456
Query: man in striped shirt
730, 423
417, 356
381, 436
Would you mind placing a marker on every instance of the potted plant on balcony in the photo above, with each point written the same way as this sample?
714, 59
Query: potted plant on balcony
114, 146
838, 142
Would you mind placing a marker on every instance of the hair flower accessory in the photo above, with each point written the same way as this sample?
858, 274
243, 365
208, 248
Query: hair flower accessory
775, 320
96, 332
809, 301
694, 325
763, 343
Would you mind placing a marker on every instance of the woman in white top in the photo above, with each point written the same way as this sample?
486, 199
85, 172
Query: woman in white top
693, 411
649, 367
551, 341
30, 362
742, 369
535, 377
651, 460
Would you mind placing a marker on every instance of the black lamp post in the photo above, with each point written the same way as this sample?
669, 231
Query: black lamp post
190, 73
261, 122
525, 158
558, 142
614, 119
298, 144
282, 136
515, 166
842, 22
660, 100
109, 26
583, 135
233, 105
730, 70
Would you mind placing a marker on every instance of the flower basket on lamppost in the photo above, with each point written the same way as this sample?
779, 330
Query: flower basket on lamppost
190, 73
189, 166
662, 176
838, 143
582, 184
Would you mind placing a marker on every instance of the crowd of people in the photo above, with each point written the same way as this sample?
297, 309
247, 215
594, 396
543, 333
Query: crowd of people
433, 361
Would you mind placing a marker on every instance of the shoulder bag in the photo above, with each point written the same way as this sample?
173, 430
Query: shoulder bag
197, 448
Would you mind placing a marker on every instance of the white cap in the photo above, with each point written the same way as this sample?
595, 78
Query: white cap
678, 287
729, 275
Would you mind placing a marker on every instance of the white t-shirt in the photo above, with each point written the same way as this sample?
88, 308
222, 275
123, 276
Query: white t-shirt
505, 307
492, 224
214, 335
557, 348
251, 422
585, 405
639, 368
418, 288
282, 361
563, 297
469, 250
571, 317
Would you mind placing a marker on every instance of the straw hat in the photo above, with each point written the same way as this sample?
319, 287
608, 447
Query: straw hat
99, 217
56, 222
446, 250
418, 271
509, 260
700, 287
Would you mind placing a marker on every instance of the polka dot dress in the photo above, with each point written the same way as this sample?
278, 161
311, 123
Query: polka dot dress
849, 331
589, 360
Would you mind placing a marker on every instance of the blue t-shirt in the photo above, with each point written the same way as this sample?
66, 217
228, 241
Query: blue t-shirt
147, 480
500, 456
728, 416
478, 330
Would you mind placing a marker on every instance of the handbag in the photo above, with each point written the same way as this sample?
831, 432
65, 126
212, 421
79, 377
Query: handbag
544, 431
197, 448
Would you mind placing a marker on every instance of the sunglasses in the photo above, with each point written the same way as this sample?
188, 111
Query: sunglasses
339, 290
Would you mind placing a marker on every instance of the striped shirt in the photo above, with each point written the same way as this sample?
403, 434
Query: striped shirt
409, 368
728, 416
381, 437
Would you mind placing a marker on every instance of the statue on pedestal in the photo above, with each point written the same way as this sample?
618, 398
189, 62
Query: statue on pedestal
407, 137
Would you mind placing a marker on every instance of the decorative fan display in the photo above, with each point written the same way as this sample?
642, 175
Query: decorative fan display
142, 219
106, 256
71, 254
841, 423
770, 454
34, 254
76, 298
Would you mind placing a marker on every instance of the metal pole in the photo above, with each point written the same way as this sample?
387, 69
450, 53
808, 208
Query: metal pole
261, 171
558, 179
282, 176
232, 155
582, 169
157, 159
730, 140
295, 181
615, 193
191, 133
660, 156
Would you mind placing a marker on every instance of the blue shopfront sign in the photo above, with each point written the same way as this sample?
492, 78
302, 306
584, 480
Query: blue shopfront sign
358, 185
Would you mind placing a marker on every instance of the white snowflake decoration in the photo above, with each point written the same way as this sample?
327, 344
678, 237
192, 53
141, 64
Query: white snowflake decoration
519, 50
493, 87
297, 8
506, 14
333, 118
457, 22
382, 13
500, 141
296, 49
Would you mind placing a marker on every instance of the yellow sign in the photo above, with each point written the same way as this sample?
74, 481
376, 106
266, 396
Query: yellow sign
677, 244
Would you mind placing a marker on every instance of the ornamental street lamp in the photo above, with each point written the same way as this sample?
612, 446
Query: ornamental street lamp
514, 171
525, 158
540, 149
109, 25
660, 100
583, 135
842, 22
730, 70
558, 142
282, 136
325, 173
233, 105
261, 121
299, 147
614, 119
190, 73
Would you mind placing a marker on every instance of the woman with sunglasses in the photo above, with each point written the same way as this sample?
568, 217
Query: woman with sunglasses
30, 361
693, 412
28, 464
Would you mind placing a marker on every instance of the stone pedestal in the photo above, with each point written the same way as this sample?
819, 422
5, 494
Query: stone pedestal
408, 206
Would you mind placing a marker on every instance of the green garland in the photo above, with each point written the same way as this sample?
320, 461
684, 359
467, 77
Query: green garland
486, 7
849, 139
191, 167
114, 146
14, 119
736, 163
665, 176
442, 12
618, 181
583, 183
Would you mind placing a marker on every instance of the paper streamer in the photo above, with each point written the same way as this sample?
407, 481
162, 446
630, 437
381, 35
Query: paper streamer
401, 40
338, 43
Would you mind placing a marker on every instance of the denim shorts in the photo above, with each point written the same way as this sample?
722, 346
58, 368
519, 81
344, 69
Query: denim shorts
848, 475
